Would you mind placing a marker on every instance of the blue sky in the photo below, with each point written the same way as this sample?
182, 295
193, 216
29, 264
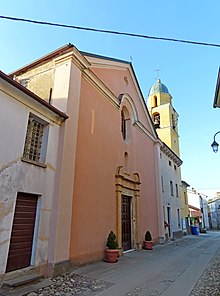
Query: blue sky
189, 71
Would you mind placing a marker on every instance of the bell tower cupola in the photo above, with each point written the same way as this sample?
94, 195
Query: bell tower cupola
164, 116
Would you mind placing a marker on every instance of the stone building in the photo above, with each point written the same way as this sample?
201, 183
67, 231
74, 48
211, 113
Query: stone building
29, 167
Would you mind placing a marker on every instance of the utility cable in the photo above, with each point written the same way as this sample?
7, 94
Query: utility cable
108, 31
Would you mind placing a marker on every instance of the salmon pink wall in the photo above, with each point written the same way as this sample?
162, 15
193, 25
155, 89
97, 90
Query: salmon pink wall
100, 150
121, 82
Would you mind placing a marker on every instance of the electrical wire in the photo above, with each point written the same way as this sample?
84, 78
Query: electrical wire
109, 31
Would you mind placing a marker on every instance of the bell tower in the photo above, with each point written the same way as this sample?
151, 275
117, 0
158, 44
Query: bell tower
164, 116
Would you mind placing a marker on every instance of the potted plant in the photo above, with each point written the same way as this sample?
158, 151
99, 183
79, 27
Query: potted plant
148, 243
111, 250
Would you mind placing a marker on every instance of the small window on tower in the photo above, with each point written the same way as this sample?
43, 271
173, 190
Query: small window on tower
155, 101
174, 122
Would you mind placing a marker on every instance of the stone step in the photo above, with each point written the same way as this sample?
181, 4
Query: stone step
21, 281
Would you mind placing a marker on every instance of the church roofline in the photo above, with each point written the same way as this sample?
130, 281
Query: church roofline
70, 47
103, 57
64, 49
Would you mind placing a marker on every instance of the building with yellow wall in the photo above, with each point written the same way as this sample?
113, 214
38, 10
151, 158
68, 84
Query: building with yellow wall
165, 119
164, 115
185, 207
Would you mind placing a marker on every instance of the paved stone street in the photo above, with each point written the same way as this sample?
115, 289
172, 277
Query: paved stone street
209, 283
187, 267
73, 284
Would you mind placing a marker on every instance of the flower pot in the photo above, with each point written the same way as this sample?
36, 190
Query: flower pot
111, 255
148, 245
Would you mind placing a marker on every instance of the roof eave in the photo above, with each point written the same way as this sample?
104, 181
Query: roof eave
55, 53
84, 53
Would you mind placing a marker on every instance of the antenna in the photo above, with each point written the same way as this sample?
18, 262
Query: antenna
158, 73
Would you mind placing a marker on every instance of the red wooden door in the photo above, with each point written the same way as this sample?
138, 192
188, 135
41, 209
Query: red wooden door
126, 222
22, 232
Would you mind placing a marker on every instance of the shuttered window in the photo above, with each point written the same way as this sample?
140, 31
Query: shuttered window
21, 242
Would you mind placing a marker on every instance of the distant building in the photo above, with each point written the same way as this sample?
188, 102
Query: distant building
199, 201
185, 207
195, 214
214, 206
205, 211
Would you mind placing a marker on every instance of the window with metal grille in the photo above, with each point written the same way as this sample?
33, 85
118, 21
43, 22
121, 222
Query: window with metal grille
34, 140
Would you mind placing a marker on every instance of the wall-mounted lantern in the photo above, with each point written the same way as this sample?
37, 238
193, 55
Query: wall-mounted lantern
215, 144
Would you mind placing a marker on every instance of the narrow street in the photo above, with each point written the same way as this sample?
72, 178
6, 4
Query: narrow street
187, 267
169, 270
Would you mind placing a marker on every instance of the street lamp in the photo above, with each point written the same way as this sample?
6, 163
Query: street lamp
215, 144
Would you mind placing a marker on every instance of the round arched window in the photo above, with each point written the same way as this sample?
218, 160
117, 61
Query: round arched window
125, 124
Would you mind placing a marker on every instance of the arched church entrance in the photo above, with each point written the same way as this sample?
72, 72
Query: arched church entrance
127, 195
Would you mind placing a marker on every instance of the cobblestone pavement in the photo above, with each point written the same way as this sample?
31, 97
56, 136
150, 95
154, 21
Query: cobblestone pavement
209, 283
72, 284
75, 284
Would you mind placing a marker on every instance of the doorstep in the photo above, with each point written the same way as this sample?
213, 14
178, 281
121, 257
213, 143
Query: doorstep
23, 285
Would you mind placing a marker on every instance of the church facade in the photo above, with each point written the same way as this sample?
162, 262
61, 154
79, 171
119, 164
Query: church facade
106, 173
116, 163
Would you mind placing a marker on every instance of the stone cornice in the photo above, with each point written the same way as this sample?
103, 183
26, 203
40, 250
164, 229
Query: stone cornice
171, 154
